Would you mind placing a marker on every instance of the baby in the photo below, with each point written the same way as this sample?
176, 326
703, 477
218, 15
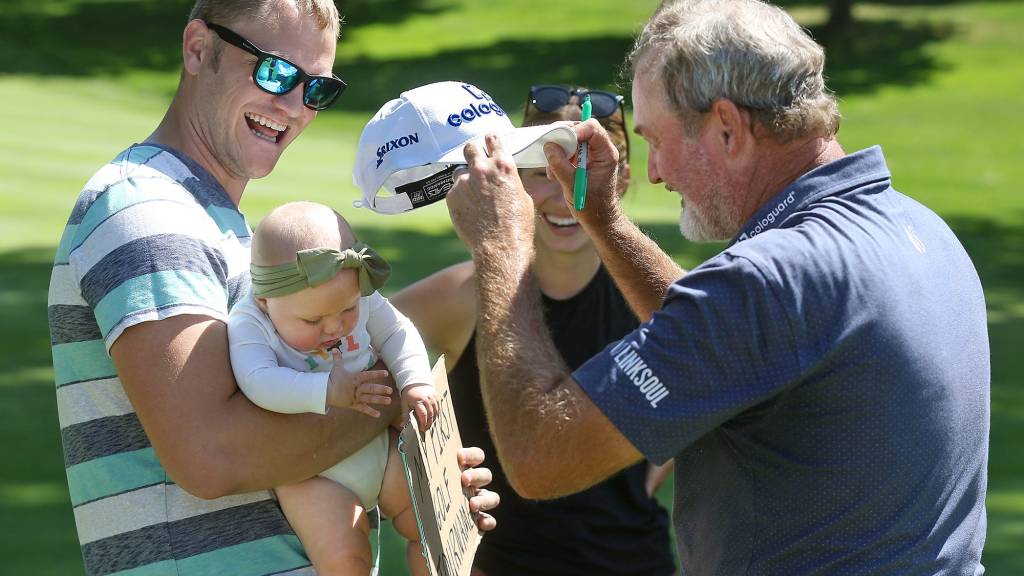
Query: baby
303, 340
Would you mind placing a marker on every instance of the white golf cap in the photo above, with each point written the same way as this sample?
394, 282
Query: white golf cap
413, 144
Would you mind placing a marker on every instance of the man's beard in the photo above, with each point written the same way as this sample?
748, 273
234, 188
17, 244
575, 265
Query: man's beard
714, 221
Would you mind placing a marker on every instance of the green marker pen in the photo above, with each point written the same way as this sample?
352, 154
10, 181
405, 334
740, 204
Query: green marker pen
579, 184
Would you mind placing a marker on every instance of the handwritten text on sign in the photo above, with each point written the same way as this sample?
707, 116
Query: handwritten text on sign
449, 532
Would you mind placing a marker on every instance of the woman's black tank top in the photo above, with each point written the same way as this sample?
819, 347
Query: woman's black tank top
612, 528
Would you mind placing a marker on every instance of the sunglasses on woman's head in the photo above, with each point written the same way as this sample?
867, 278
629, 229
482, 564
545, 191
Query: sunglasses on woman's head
276, 75
549, 98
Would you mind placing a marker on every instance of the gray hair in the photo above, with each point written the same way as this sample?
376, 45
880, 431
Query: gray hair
225, 12
745, 51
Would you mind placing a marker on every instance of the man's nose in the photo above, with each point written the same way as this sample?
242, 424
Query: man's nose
291, 103
652, 170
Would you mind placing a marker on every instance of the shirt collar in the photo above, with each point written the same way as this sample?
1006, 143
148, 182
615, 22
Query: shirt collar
849, 172
204, 186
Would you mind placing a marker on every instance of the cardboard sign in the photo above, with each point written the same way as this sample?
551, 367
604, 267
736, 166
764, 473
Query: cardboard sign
448, 530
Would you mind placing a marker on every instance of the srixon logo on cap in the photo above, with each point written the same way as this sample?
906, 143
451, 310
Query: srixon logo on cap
395, 144
475, 110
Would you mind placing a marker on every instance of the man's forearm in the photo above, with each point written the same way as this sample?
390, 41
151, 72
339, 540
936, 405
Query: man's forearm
544, 425
276, 449
256, 449
641, 270
209, 437
520, 369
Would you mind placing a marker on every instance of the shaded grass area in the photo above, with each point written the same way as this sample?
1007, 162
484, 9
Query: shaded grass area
997, 250
499, 68
90, 37
33, 492
35, 511
115, 37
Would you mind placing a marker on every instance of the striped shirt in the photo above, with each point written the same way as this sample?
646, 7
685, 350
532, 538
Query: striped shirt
151, 236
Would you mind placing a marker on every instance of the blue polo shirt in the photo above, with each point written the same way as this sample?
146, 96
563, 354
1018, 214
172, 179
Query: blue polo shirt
823, 384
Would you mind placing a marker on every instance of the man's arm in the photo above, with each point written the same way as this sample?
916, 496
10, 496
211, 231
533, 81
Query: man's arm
209, 437
642, 271
551, 438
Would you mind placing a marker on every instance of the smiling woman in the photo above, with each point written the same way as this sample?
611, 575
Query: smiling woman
616, 526
557, 229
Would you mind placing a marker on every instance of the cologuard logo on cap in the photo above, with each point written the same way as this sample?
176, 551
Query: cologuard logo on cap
413, 144
475, 111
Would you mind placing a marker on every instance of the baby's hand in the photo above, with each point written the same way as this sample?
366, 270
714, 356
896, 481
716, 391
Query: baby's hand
357, 390
420, 399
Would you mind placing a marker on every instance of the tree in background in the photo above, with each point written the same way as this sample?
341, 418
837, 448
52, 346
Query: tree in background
840, 15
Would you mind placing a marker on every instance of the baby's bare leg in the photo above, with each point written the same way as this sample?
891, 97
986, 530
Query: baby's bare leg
396, 504
330, 521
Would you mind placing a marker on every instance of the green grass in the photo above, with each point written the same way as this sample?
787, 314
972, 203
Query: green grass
937, 83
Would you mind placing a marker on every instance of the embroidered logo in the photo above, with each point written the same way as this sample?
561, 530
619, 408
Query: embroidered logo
395, 144
475, 110
769, 218
627, 357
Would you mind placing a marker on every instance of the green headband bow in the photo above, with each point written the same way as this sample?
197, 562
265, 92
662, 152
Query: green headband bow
318, 265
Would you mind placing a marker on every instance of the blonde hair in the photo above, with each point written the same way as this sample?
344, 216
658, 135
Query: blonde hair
226, 12
745, 51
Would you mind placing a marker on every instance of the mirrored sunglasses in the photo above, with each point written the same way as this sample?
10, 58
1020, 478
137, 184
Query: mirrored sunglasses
276, 75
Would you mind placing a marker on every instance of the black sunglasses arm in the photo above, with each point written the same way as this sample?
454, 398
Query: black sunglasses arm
234, 39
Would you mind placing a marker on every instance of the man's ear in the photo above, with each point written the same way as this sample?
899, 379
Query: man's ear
194, 42
732, 126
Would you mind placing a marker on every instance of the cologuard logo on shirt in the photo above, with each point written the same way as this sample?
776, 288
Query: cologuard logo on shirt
474, 110
627, 357
769, 218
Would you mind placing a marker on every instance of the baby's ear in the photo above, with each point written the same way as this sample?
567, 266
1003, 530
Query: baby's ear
261, 303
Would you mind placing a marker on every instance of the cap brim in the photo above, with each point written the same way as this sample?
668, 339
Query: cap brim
429, 183
526, 145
